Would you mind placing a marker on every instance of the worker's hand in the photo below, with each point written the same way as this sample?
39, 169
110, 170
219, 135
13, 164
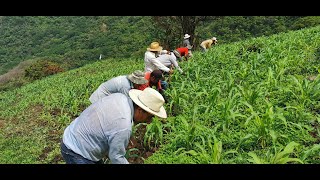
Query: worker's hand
170, 71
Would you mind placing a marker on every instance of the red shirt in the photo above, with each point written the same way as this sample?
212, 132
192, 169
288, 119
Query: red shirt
183, 51
147, 77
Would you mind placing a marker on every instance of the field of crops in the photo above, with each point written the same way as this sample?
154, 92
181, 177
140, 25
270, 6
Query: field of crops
255, 101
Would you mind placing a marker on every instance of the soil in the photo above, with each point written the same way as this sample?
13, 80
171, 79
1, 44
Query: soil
312, 77
142, 152
138, 152
314, 133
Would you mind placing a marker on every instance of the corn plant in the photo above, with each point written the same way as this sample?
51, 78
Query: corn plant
251, 93
130, 153
228, 110
154, 133
312, 155
277, 157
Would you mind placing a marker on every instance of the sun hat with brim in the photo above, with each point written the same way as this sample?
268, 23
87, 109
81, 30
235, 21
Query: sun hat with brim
137, 77
154, 46
176, 53
149, 100
186, 36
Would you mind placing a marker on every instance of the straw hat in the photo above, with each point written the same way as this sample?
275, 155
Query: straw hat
214, 38
186, 36
137, 77
150, 100
154, 46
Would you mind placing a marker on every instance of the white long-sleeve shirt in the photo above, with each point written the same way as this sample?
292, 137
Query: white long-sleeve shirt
103, 128
151, 63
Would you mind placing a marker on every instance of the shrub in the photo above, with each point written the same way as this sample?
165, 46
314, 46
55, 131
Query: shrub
42, 68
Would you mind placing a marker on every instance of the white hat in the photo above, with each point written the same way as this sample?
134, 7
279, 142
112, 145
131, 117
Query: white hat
137, 77
214, 38
186, 36
150, 100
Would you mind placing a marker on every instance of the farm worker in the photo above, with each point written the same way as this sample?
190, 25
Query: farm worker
182, 52
119, 84
104, 128
206, 44
151, 63
186, 43
154, 80
153, 51
168, 61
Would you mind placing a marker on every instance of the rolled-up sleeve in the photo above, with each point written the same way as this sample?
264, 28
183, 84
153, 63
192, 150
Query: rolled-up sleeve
118, 144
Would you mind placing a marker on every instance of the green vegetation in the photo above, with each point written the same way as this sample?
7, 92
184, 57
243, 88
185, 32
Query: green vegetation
73, 41
33, 117
236, 105
253, 101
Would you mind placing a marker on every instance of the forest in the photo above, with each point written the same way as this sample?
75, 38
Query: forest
61, 43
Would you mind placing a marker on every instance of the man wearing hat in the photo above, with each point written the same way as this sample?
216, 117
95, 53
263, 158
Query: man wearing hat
120, 84
182, 52
151, 63
153, 51
205, 45
186, 43
105, 127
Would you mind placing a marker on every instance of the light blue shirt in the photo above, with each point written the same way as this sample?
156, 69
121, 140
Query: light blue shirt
104, 128
167, 60
120, 84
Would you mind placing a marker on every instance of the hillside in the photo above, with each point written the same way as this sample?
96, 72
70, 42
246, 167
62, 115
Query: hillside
74, 41
71, 40
254, 101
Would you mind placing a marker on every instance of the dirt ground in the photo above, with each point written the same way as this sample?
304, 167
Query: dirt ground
142, 152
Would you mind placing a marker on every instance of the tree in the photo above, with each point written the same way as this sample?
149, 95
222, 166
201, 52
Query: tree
174, 27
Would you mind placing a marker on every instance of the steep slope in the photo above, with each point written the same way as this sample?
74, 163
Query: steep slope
242, 102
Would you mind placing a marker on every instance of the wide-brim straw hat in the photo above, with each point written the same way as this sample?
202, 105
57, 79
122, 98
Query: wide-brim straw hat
186, 36
150, 100
137, 77
154, 46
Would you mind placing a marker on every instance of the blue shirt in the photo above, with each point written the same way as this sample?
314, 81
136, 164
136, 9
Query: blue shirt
120, 84
167, 60
104, 128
